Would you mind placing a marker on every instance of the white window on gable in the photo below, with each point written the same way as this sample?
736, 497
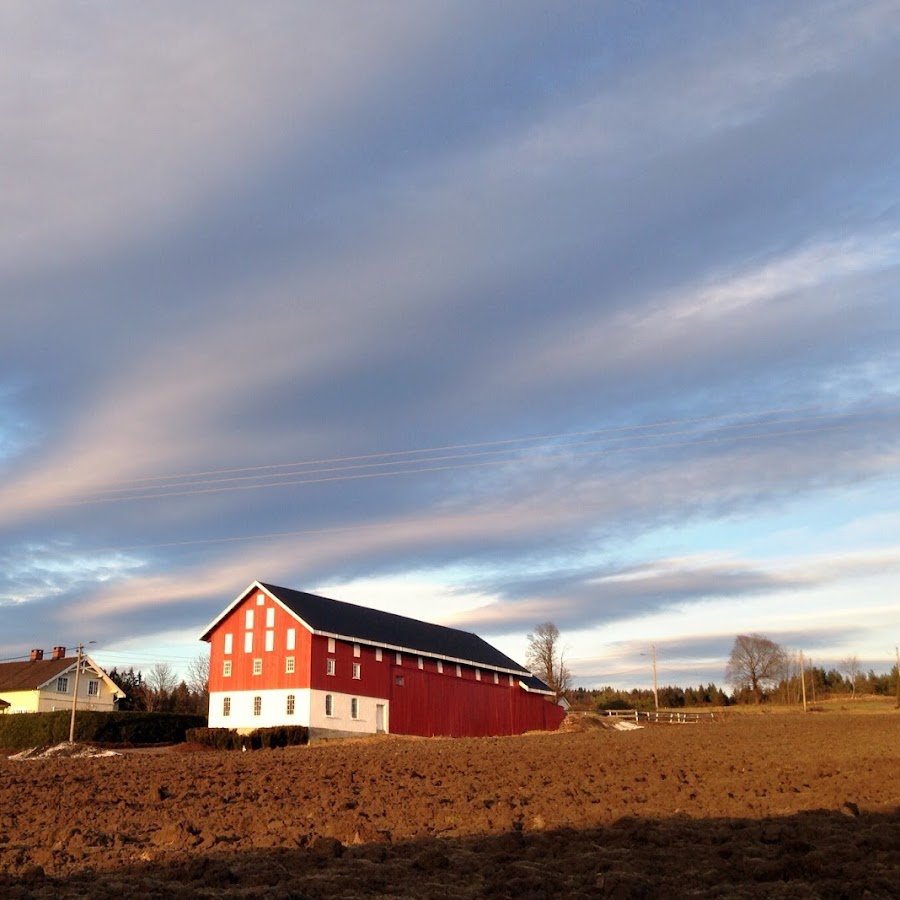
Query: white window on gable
229, 641
93, 688
354, 708
291, 703
331, 645
270, 617
291, 638
270, 641
357, 670
62, 685
226, 668
248, 619
226, 706
440, 667
329, 667
329, 705
289, 665
257, 667
379, 655
356, 650
260, 599
257, 706
248, 642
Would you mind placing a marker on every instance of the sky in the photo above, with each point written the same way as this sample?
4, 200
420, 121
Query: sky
487, 314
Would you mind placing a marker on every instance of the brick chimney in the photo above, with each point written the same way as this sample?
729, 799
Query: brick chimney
58, 653
37, 655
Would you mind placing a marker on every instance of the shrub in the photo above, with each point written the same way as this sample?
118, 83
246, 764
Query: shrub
260, 738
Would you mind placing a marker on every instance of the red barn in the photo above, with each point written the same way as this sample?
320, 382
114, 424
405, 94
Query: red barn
284, 657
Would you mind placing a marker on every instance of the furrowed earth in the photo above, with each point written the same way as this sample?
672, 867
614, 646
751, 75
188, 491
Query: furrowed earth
749, 806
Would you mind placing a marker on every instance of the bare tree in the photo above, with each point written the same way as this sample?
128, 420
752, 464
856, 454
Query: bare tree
546, 658
850, 668
160, 682
755, 663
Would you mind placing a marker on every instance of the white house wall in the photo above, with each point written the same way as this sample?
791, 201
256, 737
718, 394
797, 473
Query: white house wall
341, 719
273, 709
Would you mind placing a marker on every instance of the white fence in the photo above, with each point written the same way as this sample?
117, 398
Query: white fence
667, 717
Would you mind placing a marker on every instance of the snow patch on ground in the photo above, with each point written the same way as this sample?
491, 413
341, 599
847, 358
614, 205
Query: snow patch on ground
64, 751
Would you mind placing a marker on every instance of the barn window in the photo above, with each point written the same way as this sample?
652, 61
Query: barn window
440, 667
248, 642
270, 641
398, 679
260, 599
478, 674
458, 670
356, 670
496, 678
354, 708
291, 638
257, 667
329, 667
356, 650
329, 705
289, 665
248, 619
331, 645
511, 682
62, 685
421, 663
291, 701
270, 617
226, 706
378, 654
93, 688
399, 659
226, 668
257, 706
228, 643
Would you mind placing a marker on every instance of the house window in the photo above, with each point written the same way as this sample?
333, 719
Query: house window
248, 619
398, 679
291, 701
248, 642
421, 663
356, 670
226, 668
229, 640
329, 667
440, 667
356, 650
399, 659
226, 706
93, 688
378, 654
331, 645
62, 685
291, 638
270, 641
354, 708
257, 667
478, 674
329, 705
270, 617
289, 665
458, 670
260, 599
257, 706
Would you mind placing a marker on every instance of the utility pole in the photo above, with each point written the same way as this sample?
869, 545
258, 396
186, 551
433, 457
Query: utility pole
803, 680
897, 651
655, 692
75, 695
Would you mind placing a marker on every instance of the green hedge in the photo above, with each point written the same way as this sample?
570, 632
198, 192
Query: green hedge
21, 730
260, 738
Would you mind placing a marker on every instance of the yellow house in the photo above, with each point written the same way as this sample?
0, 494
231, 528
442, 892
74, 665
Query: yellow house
45, 685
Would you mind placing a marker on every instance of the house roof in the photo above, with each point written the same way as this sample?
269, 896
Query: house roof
360, 624
33, 674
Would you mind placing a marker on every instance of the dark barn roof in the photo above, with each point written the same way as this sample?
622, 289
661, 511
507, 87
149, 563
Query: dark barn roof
347, 620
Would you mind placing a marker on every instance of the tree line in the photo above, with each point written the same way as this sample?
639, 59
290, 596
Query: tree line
160, 689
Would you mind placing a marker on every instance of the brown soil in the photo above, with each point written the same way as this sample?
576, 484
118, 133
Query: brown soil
774, 806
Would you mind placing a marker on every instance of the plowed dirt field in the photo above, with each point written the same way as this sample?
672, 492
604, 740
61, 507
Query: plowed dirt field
752, 806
